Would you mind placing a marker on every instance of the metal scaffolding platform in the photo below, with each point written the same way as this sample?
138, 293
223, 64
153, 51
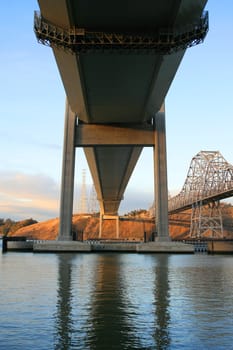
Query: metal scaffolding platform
80, 40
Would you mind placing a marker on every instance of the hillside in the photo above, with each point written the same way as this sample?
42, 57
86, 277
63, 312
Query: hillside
87, 226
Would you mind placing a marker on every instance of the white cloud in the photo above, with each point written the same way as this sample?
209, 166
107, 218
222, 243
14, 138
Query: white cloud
134, 200
28, 195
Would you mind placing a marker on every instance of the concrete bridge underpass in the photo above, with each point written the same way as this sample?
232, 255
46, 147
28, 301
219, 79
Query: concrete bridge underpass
117, 61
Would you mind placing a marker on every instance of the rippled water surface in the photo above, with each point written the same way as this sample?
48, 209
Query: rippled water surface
115, 301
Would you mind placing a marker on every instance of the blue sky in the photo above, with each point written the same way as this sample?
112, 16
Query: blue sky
199, 111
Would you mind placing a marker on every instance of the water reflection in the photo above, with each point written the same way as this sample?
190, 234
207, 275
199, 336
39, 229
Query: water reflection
114, 301
75, 284
64, 326
162, 336
201, 300
146, 289
109, 318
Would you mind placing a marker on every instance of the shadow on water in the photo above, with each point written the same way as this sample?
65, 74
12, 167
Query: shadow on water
112, 301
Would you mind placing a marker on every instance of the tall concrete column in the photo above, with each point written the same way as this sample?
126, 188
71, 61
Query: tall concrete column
160, 177
117, 227
67, 185
100, 224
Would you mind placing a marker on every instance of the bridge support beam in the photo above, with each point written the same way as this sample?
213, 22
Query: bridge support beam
109, 217
160, 177
67, 185
206, 218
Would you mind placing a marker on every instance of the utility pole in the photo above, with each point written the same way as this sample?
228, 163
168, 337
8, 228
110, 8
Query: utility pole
83, 198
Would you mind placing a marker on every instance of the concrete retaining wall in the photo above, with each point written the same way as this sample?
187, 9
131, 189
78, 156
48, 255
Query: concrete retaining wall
220, 247
61, 246
74, 246
19, 246
165, 247
114, 247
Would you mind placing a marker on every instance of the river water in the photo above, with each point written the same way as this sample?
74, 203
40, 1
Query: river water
115, 301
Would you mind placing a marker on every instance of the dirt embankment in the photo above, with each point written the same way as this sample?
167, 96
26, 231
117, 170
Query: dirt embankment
87, 227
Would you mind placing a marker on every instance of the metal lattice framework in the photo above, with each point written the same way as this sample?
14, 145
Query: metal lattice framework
210, 178
93, 202
206, 219
81, 40
82, 206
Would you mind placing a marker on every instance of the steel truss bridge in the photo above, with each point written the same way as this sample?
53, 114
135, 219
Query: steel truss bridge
209, 179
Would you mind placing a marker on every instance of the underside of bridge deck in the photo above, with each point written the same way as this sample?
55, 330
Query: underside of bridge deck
117, 61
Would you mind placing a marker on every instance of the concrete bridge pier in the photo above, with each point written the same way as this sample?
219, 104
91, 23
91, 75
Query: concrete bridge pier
109, 217
67, 185
160, 177
156, 138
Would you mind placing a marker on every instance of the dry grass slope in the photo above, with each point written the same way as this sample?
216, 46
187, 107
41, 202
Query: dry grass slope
88, 227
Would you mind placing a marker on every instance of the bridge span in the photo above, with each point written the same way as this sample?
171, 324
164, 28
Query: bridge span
209, 179
117, 60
